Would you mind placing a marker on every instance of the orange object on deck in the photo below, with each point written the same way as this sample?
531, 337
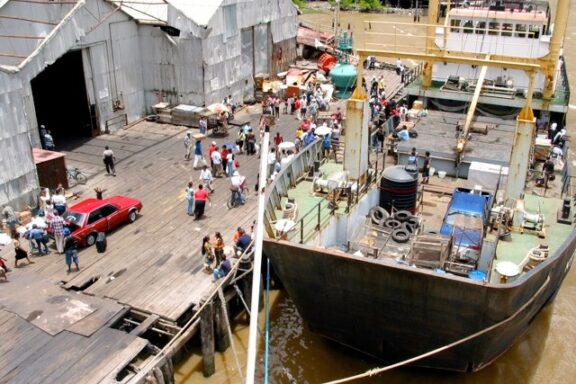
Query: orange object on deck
326, 62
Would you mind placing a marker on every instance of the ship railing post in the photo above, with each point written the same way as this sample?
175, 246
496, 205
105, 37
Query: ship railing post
302, 231
319, 215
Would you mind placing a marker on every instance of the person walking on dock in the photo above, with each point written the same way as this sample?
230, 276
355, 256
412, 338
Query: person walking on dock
187, 146
70, 251
109, 160
216, 158
190, 199
197, 154
200, 197
206, 178
57, 225
20, 252
207, 254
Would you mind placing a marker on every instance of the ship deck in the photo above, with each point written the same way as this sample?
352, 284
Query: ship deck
314, 212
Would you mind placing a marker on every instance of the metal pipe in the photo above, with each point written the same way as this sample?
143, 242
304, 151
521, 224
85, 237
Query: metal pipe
255, 298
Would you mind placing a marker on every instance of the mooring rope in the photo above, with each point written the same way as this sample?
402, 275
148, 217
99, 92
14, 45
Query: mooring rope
229, 329
375, 371
239, 292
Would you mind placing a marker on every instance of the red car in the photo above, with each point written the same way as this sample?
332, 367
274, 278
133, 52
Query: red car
91, 216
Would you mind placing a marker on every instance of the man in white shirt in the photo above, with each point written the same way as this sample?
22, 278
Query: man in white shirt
271, 161
206, 178
216, 162
187, 146
237, 186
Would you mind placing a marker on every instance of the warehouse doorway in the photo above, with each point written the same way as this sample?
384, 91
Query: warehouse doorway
61, 100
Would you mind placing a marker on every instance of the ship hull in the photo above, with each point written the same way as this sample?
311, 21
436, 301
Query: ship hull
394, 312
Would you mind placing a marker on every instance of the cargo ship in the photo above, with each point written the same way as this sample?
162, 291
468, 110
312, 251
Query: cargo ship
449, 274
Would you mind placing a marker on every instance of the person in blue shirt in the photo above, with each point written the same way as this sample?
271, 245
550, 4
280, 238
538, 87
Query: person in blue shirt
326, 144
41, 241
403, 134
243, 241
309, 138
222, 269
197, 153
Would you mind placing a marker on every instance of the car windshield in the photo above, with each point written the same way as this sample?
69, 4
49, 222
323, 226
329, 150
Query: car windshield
74, 217
463, 220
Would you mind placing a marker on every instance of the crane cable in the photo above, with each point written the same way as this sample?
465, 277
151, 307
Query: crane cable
375, 371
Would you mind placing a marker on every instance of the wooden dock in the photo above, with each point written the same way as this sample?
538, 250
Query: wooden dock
92, 323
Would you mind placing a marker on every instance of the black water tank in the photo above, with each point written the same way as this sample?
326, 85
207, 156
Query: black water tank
398, 188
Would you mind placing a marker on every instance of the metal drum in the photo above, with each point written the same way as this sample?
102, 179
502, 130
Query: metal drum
398, 189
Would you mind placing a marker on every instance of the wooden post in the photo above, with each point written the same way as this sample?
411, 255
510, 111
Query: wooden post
167, 371
207, 338
222, 339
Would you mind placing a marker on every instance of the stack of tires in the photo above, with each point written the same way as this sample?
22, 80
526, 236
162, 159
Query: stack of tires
402, 224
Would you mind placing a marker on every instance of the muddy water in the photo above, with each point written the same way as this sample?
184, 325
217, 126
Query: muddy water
545, 354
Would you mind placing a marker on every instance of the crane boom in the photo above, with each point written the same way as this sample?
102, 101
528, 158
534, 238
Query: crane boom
463, 139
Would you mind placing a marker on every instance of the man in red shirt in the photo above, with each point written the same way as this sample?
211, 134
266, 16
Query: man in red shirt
224, 153
200, 197
210, 150
278, 140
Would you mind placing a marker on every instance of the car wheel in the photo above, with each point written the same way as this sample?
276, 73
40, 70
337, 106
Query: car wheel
132, 216
91, 239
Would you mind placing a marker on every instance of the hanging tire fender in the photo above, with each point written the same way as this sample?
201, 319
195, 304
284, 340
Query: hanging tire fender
392, 223
402, 216
400, 235
378, 215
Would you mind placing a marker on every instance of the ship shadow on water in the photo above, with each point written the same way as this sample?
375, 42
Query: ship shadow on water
292, 342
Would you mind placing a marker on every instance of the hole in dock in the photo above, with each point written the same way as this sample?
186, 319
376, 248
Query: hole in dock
86, 285
136, 232
147, 166
33, 315
57, 299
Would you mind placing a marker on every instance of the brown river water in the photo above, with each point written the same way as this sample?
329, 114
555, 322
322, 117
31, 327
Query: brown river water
545, 354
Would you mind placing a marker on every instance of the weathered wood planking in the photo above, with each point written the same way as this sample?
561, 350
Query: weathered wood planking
155, 263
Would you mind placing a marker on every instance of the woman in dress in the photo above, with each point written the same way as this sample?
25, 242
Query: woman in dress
20, 252
207, 254
218, 247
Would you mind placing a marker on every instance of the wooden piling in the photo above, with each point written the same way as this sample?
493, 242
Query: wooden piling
207, 338
167, 372
221, 323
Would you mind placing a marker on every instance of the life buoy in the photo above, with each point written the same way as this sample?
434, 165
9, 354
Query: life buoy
378, 215
402, 216
400, 235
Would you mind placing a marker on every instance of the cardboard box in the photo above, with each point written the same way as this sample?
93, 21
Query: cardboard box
25, 217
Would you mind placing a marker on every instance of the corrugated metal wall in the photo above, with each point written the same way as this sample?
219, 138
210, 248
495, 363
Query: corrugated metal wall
139, 65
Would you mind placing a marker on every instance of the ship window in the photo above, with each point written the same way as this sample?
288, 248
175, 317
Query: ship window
481, 27
507, 29
493, 28
468, 26
520, 30
534, 31
455, 25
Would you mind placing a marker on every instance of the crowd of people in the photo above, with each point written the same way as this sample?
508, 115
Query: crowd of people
49, 225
